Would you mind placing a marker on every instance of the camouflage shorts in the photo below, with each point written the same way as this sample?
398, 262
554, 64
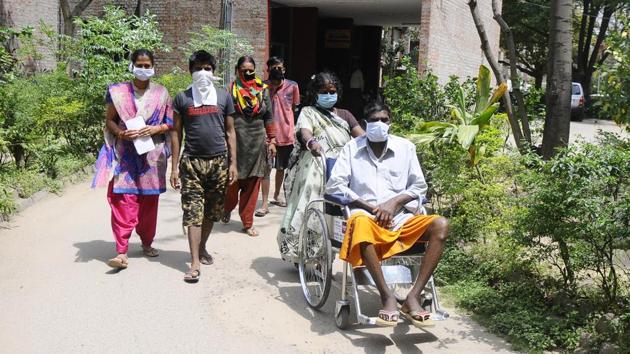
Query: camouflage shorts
204, 181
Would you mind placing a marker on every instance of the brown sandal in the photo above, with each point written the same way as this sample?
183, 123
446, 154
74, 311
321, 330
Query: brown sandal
419, 319
387, 318
192, 276
261, 212
150, 252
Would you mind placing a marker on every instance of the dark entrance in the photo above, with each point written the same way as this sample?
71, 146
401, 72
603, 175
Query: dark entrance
310, 44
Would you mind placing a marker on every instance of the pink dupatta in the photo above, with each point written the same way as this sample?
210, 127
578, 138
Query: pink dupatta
118, 160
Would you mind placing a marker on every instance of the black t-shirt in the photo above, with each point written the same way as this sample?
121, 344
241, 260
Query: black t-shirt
205, 125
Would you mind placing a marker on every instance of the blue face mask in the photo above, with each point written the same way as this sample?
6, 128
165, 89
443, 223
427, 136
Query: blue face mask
326, 100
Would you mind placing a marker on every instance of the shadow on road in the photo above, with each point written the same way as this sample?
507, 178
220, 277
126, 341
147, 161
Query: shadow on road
285, 277
99, 250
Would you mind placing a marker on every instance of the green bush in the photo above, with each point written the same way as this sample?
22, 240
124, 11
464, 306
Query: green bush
416, 99
51, 124
225, 45
175, 81
504, 259
577, 209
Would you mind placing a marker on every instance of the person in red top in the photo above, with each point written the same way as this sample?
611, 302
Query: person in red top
285, 96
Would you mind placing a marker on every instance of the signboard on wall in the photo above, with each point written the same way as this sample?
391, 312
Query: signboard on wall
338, 38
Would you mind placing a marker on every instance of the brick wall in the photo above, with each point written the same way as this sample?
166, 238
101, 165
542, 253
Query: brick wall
178, 18
449, 44
22, 13
250, 22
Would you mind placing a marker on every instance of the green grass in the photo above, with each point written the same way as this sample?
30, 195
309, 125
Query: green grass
23, 183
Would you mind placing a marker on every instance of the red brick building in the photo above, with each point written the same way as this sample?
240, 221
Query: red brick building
310, 34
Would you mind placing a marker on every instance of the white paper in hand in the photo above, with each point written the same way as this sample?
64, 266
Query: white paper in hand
145, 143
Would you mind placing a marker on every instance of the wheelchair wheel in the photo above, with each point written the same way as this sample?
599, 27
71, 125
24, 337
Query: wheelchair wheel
342, 318
315, 259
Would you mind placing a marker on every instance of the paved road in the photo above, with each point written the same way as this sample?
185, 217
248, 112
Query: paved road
58, 296
588, 129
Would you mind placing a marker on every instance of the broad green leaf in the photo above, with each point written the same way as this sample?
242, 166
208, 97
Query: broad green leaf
466, 135
484, 118
483, 89
420, 139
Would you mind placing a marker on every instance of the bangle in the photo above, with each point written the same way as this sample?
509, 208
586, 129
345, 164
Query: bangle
309, 142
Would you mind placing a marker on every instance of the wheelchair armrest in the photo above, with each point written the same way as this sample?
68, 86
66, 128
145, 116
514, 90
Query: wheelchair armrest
337, 199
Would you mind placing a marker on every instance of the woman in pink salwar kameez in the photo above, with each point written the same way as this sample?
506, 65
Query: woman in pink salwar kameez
135, 181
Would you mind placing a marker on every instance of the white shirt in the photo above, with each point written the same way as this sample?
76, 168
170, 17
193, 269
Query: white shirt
359, 174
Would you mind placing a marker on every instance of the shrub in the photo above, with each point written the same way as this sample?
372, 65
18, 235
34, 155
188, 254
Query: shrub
175, 81
577, 209
225, 45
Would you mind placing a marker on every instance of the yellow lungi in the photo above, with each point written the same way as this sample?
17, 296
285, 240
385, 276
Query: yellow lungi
363, 228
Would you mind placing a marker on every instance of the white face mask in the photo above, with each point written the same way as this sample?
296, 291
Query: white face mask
377, 132
202, 79
143, 74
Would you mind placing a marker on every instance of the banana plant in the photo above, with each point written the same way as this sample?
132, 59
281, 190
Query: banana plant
466, 123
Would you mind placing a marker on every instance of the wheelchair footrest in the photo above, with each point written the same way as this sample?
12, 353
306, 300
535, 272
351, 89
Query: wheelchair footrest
393, 274
440, 315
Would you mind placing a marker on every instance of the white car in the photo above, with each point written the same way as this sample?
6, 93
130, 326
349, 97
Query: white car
577, 101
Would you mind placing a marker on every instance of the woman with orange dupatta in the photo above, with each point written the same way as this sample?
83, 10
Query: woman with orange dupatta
255, 142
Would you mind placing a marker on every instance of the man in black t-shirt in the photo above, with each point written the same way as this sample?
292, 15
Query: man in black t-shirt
205, 114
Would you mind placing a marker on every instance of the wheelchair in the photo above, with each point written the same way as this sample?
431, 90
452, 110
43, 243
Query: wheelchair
320, 239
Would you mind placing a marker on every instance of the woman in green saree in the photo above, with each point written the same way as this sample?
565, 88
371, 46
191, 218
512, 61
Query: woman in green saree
322, 130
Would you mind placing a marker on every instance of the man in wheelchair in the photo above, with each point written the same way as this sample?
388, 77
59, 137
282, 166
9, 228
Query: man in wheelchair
380, 178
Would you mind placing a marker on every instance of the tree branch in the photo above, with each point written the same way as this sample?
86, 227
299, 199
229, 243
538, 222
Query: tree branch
78, 10
519, 67
603, 58
516, 81
65, 9
587, 4
485, 47
603, 28
584, 55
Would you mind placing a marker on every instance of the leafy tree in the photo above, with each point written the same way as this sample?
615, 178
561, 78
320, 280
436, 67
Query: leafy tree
529, 22
227, 46
615, 102
594, 20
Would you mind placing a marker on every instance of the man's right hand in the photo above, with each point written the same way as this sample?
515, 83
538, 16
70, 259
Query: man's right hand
175, 180
128, 134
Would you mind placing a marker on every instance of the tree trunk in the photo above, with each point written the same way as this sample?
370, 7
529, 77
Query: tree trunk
558, 118
516, 80
485, 46
70, 13
538, 80
68, 26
